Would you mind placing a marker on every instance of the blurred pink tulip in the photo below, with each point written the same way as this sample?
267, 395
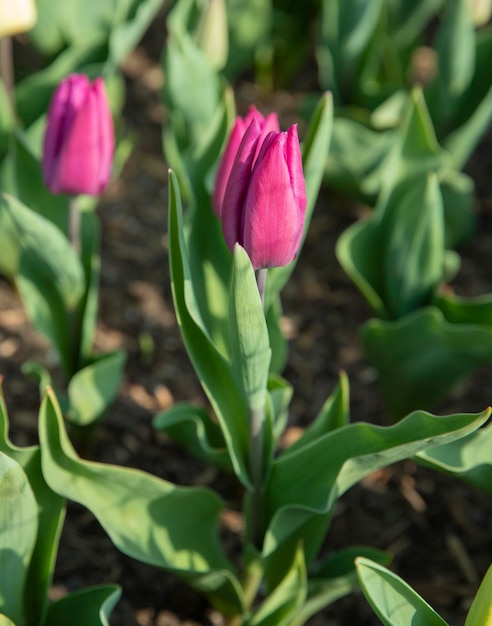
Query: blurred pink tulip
265, 125
79, 140
264, 202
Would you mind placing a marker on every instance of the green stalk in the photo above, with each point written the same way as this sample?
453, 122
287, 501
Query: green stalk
256, 420
7, 69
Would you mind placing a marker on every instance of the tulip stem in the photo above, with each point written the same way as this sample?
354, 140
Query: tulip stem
74, 224
256, 419
7, 68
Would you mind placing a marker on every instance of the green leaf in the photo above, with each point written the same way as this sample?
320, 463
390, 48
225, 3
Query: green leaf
407, 228
147, 518
467, 458
393, 601
480, 613
347, 29
280, 394
334, 579
333, 415
49, 275
92, 389
90, 238
461, 310
283, 602
87, 607
474, 107
18, 528
314, 152
250, 347
455, 46
306, 485
412, 242
126, 33
213, 370
50, 511
399, 350
193, 428
6, 119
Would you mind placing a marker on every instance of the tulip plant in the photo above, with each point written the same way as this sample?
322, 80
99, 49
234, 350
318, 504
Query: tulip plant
241, 196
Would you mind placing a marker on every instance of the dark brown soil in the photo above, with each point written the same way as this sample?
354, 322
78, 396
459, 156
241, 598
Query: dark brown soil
437, 528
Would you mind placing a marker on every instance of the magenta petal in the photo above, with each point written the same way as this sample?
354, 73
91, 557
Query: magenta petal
66, 101
80, 161
226, 164
106, 134
294, 163
232, 207
273, 220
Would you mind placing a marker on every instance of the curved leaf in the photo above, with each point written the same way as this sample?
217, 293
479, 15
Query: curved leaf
213, 370
407, 369
468, 458
306, 485
87, 607
147, 518
393, 601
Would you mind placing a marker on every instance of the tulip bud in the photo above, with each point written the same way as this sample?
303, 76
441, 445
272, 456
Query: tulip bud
16, 16
265, 125
265, 199
212, 34
79, 140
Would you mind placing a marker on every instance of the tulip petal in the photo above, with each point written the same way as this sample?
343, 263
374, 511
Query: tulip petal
231, 214
67, 100
82, 166
106, 133
226, 164
273, 220
294, 164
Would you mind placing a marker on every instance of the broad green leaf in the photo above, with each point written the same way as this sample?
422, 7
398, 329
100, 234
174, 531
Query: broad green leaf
399, 350
480, 613
458, 198
346, 30
50, 511
455, 46
407, 230
193, 428
87, 607
213, 370
411, 243
474, 107
333, 415
147, 518
307, 484
393, 601
461, 310
314, 151
18, 529
468, 458
92, 389
250, 348
49, 275
283, 602
334, 579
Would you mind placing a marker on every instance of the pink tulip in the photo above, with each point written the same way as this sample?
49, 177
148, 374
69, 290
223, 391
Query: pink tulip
79, 140
265, 125
264, 203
